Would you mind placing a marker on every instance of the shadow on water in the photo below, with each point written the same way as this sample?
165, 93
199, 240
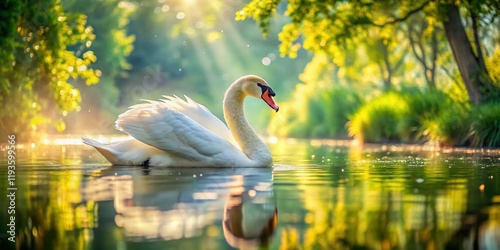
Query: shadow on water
329, 196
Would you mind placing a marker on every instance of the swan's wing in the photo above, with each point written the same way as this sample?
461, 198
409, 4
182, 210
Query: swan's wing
165, 128
197, 112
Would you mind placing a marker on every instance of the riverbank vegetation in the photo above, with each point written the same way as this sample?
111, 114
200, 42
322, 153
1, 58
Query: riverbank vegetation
134, 49
413, 72
433, 65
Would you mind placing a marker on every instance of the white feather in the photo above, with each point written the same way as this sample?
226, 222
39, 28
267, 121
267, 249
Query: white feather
201, 115
163, 127
177, 132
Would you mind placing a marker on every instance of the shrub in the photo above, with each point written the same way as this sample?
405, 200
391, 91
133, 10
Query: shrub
449, 128
485, 125
424, 106
379, 120
411, 115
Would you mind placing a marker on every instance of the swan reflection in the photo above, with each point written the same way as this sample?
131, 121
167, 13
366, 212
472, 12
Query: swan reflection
171, 204
250, 216
480, 229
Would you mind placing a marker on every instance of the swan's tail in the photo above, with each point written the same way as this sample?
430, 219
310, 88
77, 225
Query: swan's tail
104, 149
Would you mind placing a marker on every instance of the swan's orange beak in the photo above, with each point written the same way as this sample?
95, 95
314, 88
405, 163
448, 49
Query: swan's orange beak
267, 96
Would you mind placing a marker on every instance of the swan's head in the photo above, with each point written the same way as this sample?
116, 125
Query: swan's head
257, 87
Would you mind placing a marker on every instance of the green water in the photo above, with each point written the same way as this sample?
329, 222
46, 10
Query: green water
317, 196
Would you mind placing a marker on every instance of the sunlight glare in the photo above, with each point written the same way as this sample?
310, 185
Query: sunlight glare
204, 195
200, 25
266, 61
273, 139
180, 15
252, 193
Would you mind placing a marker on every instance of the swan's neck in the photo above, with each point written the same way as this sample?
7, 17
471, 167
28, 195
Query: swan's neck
243, 133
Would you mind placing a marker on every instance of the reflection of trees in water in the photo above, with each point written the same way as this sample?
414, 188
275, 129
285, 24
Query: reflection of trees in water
51, 213
479, 229
116, 206
365, 200
381, 200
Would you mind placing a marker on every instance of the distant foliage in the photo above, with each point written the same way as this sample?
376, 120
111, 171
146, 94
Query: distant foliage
112, 45
319, 107
316, 114
492, 63
36, 66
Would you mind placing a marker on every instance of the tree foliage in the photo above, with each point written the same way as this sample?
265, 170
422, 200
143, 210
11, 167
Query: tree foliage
317, 108
112, 45
36, 66
333, 26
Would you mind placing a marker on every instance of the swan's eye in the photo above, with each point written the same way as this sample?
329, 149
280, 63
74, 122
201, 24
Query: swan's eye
265, 88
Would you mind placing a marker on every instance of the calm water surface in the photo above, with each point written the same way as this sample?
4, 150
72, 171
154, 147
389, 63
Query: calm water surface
317, 196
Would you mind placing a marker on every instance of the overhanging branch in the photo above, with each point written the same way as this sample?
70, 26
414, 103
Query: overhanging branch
403, 18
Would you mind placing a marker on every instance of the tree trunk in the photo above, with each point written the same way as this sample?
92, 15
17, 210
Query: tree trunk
471, 70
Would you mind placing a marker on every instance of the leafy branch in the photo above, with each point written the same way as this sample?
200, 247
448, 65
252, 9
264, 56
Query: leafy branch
403, 18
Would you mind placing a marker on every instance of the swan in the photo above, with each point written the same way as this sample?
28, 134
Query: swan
184, 133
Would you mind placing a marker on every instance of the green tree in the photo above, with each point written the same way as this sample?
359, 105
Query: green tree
112, 45
425, 42
387, 52
196, 48
160, 57
36, 66
329, 25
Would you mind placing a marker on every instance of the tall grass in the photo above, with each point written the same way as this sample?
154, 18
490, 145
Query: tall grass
485, 125
412, 115
379, 120
450, 128
423, 106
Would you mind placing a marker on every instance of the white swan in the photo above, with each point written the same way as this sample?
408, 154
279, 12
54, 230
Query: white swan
174, 132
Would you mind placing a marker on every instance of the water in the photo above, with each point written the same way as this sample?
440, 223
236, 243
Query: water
319, 195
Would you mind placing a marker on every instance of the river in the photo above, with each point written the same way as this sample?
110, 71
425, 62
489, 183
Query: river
318, 195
